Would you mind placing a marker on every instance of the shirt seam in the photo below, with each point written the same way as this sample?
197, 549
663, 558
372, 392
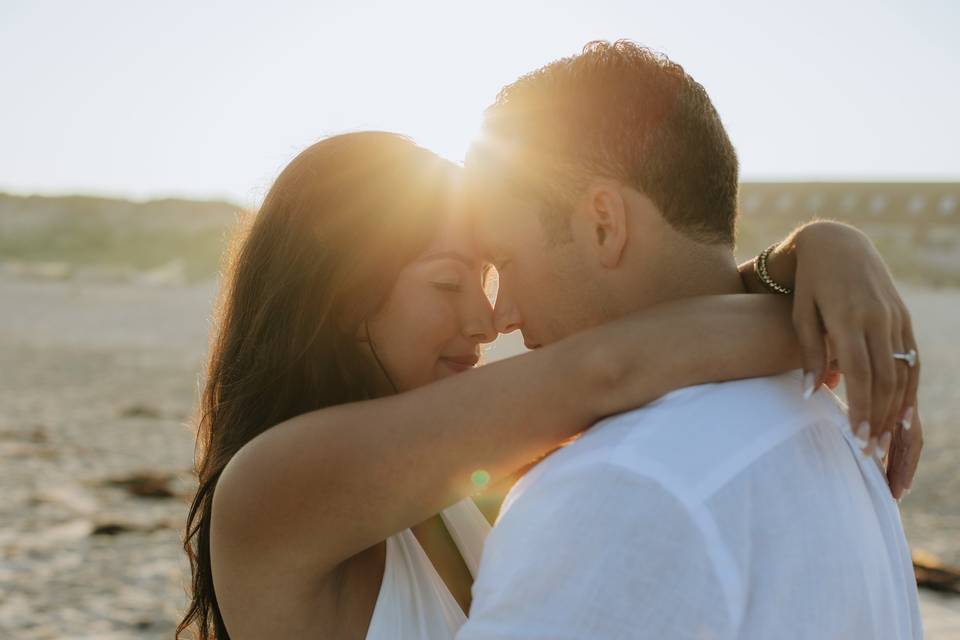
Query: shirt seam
713, 482
724, 567
721, 559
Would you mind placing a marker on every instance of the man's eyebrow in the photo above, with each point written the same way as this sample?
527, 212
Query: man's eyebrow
449, 255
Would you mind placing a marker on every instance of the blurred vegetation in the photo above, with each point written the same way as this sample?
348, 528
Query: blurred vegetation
176, 241
116, 237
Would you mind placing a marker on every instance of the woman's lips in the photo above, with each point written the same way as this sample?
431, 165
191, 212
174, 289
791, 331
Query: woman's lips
460, 363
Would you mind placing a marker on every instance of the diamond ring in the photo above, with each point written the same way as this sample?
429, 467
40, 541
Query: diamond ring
909, 357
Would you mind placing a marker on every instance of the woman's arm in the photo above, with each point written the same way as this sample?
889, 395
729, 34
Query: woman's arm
846, 307
317, 489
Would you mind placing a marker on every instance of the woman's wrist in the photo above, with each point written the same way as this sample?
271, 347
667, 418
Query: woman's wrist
782, 262
781, 266
814, 239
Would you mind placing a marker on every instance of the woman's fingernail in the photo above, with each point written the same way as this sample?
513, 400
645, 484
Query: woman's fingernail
863, 434
883, 445
809, 379
907, 419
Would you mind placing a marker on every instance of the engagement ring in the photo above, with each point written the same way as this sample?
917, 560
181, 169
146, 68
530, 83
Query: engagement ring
909, 357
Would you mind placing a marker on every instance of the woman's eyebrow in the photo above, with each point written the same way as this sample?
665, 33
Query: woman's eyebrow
449, 255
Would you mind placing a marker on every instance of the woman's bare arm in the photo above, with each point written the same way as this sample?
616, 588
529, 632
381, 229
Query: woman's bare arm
315, 490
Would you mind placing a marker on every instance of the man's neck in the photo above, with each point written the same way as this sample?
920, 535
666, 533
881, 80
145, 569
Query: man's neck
699, 271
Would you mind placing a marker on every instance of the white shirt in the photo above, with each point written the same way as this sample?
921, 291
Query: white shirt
732, 510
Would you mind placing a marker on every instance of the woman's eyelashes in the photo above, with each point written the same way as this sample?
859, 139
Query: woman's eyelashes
455, 287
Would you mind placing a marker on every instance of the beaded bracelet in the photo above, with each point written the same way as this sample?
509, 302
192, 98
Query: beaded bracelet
760, 266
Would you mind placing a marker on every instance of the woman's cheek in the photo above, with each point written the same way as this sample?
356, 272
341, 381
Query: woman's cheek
427, 338
448, 325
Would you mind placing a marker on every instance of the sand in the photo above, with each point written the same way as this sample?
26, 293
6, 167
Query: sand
98, 381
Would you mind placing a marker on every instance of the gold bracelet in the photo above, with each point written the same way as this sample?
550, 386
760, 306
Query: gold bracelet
760, 267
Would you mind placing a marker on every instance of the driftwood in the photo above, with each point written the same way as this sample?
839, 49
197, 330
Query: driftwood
934, 575
138, 410
146, 484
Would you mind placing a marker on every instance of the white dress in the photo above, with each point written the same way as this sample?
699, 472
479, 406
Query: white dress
414, 603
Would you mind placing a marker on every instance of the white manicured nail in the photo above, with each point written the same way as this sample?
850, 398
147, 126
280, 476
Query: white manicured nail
883, 445
808, 382
862, 435
907, 419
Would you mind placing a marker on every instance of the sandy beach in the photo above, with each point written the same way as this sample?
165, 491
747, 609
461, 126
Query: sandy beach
97, 384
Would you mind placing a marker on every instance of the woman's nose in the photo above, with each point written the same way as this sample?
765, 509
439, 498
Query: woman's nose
480, 326
479, 323
482, 334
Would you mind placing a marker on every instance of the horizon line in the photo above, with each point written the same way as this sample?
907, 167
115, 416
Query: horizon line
223, 198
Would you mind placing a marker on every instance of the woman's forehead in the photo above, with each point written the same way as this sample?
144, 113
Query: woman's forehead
456, 242
456, 234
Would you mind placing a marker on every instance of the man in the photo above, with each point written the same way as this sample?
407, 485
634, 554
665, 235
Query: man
735, 510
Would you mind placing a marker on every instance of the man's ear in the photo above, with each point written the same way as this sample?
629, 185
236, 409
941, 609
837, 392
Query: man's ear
606, 212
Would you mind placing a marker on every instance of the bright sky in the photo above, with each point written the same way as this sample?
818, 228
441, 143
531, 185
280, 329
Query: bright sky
212, 98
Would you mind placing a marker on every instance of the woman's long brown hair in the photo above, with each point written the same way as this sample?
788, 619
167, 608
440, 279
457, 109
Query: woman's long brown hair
320, 256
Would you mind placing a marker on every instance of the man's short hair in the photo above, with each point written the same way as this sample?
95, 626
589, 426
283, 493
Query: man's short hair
621, 111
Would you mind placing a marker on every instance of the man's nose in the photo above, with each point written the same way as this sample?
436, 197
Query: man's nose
506, 317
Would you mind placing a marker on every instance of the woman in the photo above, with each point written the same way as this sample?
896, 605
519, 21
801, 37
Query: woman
335, 433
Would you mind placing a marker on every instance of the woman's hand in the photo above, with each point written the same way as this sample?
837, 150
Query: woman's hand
847, 308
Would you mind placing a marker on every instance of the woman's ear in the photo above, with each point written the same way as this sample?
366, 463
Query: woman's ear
606, 212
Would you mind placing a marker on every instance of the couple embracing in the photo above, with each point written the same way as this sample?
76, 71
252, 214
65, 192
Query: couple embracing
667, 461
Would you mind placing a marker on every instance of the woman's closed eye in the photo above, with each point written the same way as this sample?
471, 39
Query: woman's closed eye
454, 287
